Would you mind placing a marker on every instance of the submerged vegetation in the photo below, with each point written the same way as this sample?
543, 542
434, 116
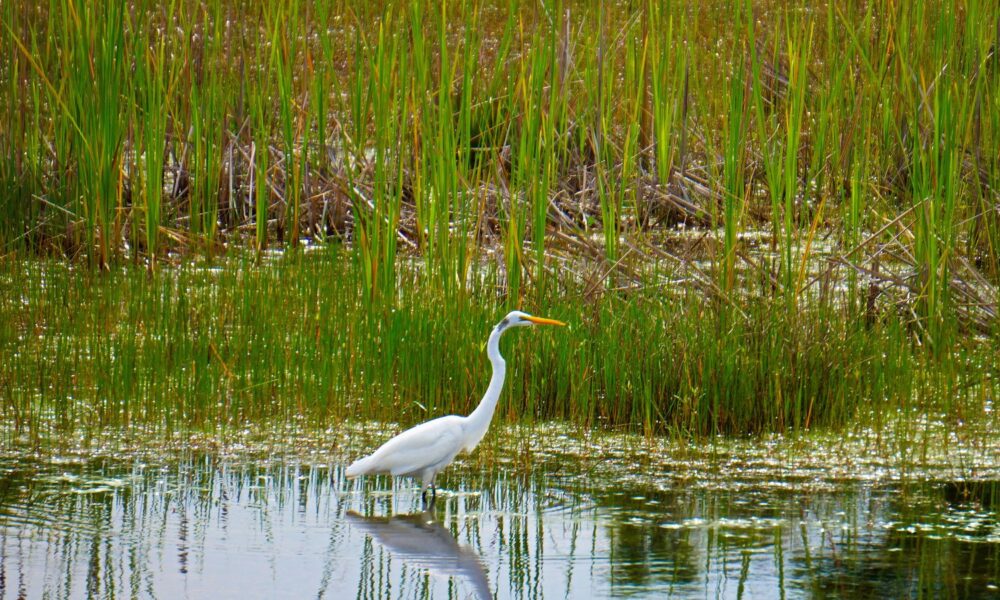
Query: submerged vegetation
757, 216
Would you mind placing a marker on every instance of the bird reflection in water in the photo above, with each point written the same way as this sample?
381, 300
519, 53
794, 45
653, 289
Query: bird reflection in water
421, 542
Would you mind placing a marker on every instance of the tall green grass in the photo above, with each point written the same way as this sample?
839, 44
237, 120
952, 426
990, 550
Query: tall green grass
95, 66
446, 119
838, 162
208, 116
189, 348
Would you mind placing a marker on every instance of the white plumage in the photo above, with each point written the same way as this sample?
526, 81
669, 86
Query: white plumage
423, 451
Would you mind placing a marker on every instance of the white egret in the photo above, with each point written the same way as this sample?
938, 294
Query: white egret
423, 451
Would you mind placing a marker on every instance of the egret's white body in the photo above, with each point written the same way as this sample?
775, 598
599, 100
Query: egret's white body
423, 451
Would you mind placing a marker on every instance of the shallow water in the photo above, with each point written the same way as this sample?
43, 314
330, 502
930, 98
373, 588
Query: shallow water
544, 516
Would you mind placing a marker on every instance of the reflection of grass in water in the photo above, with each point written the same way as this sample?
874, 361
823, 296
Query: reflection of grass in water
858, 535
297, 342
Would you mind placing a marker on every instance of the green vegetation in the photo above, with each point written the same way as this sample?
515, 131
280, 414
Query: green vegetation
297, 341
834, 168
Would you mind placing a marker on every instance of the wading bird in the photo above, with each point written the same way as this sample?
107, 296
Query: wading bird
423, 451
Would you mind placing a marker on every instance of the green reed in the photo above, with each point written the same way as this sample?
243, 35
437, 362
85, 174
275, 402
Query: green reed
20, 150
188, 348
445, 140
151, 89
541, 109
622, 96
260, 154
734, 183
96, 64
286, 53
668, 69
541, 80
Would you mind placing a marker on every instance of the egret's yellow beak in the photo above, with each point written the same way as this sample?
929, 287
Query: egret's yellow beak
543, 321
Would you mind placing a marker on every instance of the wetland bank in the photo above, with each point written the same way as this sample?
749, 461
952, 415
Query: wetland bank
243, 243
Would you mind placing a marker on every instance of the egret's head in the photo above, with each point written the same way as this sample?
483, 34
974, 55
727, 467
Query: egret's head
516, 318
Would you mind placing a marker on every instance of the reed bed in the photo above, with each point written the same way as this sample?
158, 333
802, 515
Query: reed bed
763, 215
226, 345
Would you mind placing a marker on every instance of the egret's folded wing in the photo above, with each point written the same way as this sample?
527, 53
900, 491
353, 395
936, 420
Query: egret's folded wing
423, 446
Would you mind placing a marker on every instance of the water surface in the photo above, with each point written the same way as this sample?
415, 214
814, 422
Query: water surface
545, 515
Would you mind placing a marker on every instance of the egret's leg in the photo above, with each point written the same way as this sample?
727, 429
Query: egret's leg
429, 483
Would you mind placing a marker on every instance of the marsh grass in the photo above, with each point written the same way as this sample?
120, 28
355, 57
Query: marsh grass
838, 163
390, 107
215, 346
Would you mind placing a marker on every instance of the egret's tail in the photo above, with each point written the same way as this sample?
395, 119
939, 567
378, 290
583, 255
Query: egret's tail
358, 467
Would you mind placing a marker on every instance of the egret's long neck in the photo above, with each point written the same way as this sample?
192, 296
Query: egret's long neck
479, 421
